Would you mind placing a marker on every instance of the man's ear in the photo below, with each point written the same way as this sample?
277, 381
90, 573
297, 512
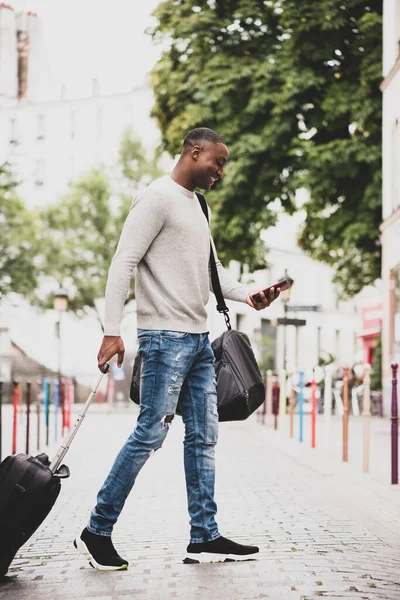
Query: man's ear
196, 152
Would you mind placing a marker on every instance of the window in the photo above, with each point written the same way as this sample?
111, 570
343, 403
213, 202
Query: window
318, 343
337, 349
40, 122
39, 172
72, 124
267, 329
14, 133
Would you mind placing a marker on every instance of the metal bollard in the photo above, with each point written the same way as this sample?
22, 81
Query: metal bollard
28, 415
328, 392
346, 414
291, 408
395, 427
264, 406
269, 392
110, 392
15, 415
313, 410
56, 406
366, 412
301, 404
62, 401
282, 398
20, 404
46, 397
38, 407
275, 403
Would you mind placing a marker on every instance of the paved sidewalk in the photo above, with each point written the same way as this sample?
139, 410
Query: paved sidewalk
324, 528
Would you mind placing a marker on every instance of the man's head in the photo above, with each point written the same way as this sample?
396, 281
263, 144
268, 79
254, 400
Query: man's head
205, 156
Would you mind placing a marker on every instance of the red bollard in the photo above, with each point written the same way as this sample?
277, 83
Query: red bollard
275, 403
100, 397
28, 415
15, 415
70, 400
313, 410
62, 402
395, 428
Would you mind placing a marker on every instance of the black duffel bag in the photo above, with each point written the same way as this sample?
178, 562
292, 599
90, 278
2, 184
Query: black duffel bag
240, 389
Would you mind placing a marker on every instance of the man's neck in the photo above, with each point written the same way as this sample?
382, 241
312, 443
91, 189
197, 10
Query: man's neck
182, 178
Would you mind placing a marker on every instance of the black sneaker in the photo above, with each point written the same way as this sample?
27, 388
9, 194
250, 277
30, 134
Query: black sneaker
219, 550
100, 551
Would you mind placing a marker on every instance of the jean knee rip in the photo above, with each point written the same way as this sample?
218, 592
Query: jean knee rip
167, 419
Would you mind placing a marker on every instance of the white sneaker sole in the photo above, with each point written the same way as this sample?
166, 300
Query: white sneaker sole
83, 549
209, 557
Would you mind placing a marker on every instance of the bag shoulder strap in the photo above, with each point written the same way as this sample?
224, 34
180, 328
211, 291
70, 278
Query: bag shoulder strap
221, 305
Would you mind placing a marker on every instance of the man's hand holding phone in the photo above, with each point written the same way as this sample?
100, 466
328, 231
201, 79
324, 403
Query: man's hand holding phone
262, 299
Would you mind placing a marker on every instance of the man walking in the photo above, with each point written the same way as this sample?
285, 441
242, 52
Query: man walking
166, 237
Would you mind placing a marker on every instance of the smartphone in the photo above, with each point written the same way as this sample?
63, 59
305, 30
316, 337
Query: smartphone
282, 285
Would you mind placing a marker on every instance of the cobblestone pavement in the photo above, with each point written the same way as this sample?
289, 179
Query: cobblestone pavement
324, 528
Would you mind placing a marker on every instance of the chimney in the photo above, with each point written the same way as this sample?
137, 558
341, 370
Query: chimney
23, 56
8, 53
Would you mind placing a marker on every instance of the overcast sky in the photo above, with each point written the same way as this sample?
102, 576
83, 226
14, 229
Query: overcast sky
93, 38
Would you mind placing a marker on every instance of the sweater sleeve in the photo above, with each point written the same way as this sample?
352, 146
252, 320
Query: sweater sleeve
144, 222
231, 289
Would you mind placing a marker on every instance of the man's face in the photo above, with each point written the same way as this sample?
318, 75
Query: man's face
209, 161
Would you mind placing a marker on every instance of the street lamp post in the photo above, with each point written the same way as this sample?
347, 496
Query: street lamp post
285, 297
60, 304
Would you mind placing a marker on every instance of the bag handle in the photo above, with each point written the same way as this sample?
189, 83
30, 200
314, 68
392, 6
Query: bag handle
221, 305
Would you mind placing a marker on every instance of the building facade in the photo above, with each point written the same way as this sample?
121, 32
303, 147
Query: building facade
49, 140
390, 229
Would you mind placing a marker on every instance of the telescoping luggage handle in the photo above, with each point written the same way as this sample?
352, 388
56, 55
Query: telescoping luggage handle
62, 451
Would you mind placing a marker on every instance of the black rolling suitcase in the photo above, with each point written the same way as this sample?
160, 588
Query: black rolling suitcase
29, 486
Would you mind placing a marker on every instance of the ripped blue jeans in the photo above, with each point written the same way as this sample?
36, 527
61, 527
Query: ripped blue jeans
175, 366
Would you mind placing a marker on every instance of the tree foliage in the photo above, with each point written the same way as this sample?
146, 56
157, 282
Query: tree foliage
293, 86
19, 240
83, 228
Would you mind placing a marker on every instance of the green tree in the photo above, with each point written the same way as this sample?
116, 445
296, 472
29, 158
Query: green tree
293, 86
84, 226
19, 240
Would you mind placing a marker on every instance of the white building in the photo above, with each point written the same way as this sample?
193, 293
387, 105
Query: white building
391, 192
50, 141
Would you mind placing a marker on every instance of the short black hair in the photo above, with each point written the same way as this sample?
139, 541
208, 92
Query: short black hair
201, 134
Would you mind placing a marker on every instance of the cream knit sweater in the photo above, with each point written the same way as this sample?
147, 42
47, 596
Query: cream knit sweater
166, 238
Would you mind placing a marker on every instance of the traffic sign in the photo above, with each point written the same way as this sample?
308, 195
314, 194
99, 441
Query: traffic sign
305, 308
286, 321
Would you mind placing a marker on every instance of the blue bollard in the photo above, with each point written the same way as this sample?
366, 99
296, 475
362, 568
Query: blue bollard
46, 401
301, 403
56, 406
